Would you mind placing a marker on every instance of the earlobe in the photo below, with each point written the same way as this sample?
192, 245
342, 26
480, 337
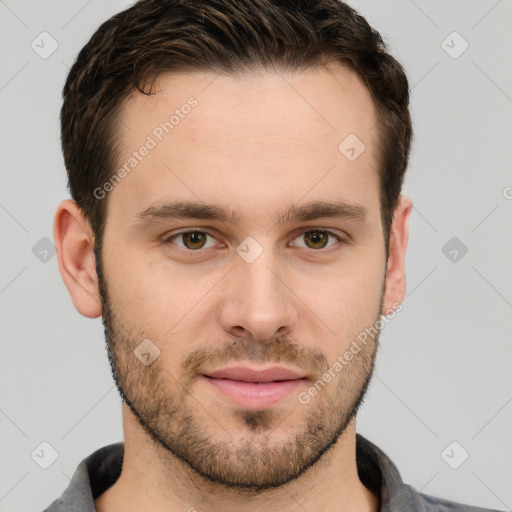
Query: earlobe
395, 272
75, 242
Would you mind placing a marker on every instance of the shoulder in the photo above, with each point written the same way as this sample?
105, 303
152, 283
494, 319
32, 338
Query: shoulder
428, 503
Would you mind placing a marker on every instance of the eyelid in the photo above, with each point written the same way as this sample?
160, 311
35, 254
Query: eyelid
339, 238
167, 238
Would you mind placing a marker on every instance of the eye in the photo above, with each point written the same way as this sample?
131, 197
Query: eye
193, 240
318, 239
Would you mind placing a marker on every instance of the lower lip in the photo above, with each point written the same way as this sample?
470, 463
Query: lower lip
255, 395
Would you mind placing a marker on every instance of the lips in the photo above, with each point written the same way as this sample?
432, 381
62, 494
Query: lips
250, 388
275, 373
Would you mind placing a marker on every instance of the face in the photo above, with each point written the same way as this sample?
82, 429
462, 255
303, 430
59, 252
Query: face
220, 320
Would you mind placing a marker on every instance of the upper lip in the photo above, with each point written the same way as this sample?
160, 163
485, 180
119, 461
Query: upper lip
246, 374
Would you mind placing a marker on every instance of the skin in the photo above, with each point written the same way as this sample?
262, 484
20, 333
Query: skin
256, 143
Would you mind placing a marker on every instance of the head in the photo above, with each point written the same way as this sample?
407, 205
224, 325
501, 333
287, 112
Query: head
235, 170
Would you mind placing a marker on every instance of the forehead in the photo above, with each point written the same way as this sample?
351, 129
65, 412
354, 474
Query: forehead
333, 97
256, 135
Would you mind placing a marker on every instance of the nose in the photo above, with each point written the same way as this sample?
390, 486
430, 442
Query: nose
258, 302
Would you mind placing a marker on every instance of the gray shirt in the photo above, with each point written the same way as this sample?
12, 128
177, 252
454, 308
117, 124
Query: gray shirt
95, 474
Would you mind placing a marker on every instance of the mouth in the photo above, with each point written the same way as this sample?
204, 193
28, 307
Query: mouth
252, 388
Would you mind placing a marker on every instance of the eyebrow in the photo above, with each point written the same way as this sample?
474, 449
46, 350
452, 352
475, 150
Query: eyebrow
197, 210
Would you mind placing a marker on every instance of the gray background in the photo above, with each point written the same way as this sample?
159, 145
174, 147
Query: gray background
443, 371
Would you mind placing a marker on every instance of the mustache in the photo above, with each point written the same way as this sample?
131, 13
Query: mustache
279, 350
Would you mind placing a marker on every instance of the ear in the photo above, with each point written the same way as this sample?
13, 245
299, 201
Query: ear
75, 242
395, 273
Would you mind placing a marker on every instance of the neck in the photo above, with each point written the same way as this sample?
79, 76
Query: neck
153, 479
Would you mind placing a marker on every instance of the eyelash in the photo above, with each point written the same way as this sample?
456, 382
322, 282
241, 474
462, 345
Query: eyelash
168, 240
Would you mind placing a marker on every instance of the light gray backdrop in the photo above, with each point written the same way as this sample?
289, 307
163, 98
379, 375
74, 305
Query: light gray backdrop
443, 373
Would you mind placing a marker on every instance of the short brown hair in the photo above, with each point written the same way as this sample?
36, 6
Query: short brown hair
222, 36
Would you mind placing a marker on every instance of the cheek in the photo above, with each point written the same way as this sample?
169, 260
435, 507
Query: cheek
347, 301
150, 297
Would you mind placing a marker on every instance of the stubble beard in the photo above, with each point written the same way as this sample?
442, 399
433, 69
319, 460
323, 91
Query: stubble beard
258, 454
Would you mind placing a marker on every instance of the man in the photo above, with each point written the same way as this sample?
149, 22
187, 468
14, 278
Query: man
236, 168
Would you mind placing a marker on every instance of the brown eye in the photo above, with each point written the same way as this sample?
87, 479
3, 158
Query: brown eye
317, 239
192, 240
